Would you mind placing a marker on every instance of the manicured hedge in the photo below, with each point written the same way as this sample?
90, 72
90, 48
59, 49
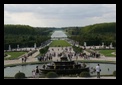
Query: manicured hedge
84, 74
51, 75
44, 50
19, 75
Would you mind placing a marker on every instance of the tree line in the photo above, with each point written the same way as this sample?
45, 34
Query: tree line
94, 34
24, 36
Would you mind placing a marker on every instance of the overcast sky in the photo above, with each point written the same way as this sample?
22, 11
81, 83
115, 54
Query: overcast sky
59, 15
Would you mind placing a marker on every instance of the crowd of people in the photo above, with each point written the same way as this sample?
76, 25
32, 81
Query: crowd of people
71, 55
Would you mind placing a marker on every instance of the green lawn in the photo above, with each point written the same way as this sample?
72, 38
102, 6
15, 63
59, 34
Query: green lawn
60, 43
107, 53
14, 55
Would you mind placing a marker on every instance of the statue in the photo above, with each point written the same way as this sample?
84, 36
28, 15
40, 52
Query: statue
102, 44
85, 44
17, 46
34, 45
111, 45
9, 48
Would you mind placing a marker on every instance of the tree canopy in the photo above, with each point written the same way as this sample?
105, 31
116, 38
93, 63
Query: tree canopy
24, 35
94, 34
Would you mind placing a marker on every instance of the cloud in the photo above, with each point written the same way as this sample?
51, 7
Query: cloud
59, 15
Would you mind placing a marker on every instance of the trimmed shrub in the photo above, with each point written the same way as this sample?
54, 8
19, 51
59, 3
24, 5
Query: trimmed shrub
51, 75
44, 50
19, 75
77, 49
114, 73
84, 74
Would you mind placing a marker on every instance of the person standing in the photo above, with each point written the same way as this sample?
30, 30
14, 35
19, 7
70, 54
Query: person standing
25, 58
33, 73
37, 72
44, 66
22, 59
108, 69
98, 70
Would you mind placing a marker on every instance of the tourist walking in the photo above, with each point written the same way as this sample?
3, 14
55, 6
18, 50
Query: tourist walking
98, 70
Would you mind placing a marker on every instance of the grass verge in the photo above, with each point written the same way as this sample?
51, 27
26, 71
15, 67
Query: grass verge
14, 55
59, 43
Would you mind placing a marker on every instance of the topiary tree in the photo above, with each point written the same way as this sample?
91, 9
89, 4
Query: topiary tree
84, 74
44, 50
51, 75
114, 73
19, 75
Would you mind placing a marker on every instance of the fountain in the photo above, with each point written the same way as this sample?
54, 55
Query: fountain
64, 66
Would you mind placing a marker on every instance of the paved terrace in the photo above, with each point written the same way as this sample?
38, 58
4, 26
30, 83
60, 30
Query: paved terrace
33, 59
